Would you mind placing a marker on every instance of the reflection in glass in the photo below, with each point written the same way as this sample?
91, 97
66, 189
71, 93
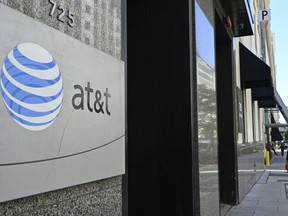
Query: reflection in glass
206, 102
206, 92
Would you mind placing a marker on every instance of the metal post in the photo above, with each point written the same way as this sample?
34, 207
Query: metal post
267, 158
263, 34
263, 52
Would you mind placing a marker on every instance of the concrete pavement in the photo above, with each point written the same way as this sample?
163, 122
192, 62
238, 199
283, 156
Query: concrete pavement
269, 196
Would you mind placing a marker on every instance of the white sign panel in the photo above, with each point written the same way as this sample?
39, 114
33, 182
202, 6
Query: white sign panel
62, 109
265, 15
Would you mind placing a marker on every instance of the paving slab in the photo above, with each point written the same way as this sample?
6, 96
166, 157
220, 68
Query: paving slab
269, 196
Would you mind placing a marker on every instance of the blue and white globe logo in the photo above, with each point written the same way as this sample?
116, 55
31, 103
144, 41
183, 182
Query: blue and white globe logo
31, 85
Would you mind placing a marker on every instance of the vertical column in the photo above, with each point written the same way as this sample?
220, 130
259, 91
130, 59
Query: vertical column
226, 85
161, 108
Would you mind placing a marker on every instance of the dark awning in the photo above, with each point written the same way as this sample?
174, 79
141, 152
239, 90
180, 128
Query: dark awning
275, 133
265, 97
241, 16
268, 97
263, 93
267, 103
254, 72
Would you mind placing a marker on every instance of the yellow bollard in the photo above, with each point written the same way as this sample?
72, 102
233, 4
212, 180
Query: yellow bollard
267, 158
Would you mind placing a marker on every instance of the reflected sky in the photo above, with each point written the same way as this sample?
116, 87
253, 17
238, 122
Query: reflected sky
204, 37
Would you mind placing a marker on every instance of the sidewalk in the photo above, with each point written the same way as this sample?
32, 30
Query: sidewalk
269, 196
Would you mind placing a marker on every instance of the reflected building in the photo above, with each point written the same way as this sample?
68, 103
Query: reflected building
206, 74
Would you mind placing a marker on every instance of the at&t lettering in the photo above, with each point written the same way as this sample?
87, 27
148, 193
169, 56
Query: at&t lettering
78, 100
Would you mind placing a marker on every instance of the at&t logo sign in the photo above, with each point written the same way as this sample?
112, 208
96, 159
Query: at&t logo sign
31, 85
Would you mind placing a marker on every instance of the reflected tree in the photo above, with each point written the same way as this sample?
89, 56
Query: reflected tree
207, 122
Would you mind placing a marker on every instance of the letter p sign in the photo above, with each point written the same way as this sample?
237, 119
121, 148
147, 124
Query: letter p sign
264, 15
